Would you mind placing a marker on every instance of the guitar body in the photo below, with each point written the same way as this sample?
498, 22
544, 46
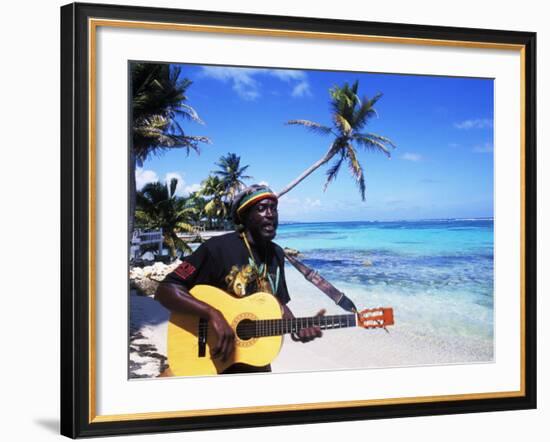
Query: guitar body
189, 356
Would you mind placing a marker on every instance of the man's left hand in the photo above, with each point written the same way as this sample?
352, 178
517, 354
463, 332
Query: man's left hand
310, 333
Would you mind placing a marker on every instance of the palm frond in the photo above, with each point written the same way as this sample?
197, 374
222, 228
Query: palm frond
184, 227
374, 142
154, 192
342, 124
186, 212
356, 169
173, 186
312, 126
379, 138
343, 98
188, 112
158, 100
213, 207
332, 172
182, 245
241, 171
144, 220
199, 139
365, 111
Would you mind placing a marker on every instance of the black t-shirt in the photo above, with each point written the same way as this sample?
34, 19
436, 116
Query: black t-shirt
225, 262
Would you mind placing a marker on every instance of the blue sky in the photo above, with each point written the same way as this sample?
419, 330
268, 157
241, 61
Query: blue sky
442, 166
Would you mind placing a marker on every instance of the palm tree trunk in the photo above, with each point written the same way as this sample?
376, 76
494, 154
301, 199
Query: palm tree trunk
169, 241
308, 172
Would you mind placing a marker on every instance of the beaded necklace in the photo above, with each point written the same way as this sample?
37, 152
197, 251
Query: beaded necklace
262, 269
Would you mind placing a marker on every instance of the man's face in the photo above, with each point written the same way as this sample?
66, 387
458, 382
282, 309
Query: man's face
262, 219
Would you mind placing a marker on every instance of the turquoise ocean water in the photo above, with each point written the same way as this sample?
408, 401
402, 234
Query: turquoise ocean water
436, 274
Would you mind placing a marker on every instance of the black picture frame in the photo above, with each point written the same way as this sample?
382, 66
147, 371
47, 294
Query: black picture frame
77, 413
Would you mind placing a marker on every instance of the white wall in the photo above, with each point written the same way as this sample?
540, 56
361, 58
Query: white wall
29, 76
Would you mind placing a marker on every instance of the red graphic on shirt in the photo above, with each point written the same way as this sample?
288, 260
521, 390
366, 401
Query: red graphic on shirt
185, 270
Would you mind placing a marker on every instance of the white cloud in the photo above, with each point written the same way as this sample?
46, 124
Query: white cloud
301, 89
247, 88
408, 156
182, 189
192, 188
245, 84
310, 203
288, 200
144, 176
480, 123
227, 73
241, 78
295, 207
287, 75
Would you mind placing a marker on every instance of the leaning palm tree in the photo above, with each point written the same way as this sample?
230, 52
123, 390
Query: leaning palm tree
231, 174
158, 104
158, 207
349, 115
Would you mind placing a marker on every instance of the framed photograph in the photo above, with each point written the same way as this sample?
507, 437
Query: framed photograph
273, 220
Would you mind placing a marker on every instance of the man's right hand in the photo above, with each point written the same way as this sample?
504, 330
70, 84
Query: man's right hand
225, 344
177, 298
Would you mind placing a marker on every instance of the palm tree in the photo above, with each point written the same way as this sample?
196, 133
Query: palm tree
349, 115
198, 202
231, 174
216, 207
158, 207
158, 102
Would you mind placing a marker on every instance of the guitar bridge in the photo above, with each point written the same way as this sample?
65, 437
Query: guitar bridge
202, 335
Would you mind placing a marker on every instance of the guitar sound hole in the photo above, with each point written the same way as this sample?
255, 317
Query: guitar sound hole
245, 329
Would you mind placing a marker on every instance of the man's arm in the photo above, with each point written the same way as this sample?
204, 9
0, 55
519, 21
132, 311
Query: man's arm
305, 334
177, 299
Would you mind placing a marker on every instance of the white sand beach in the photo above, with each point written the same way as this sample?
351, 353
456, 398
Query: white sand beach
405, 343
148, 322
408, 342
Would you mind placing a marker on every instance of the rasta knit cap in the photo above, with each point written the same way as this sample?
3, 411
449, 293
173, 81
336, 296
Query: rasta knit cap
247, 198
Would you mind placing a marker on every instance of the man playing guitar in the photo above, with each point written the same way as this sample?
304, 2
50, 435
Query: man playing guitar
240, 263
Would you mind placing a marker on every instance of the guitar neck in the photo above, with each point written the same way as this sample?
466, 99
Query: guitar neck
277, 327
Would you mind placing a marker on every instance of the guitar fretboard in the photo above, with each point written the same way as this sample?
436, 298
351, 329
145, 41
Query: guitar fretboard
277, 327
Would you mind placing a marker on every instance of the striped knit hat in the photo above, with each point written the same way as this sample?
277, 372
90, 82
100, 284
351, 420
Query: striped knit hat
247, 198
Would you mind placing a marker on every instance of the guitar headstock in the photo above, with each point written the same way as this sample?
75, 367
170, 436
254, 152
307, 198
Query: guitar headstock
379, 317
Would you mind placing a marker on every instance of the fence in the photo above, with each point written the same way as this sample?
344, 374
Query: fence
140, 239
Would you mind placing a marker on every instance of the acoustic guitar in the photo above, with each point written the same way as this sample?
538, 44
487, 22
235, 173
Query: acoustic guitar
259, 328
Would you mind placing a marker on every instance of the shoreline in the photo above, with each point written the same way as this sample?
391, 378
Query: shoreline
207, 234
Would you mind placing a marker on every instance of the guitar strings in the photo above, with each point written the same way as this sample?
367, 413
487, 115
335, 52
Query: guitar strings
289, 325
275, 330
253, 324
313, 319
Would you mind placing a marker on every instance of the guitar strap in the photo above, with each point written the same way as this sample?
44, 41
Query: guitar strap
322, 284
